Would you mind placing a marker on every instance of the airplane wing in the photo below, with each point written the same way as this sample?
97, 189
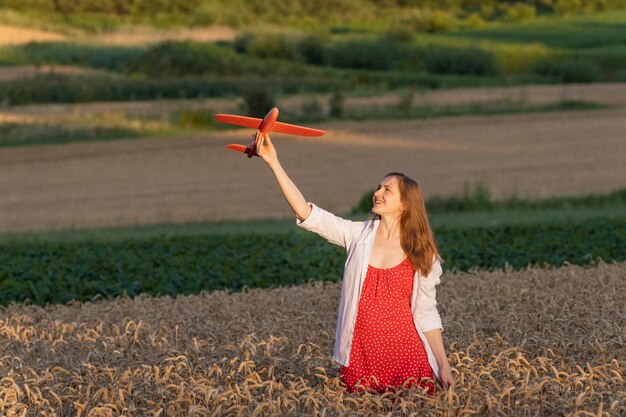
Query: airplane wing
279, 127
296, 130
244, 121
238, 148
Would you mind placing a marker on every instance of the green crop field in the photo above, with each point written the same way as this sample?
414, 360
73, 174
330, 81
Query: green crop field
56, 267
61, 272
579, 32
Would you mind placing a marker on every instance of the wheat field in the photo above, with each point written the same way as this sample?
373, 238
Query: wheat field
538, 342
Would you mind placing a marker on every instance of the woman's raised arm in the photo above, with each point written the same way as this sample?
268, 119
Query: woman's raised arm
294, 197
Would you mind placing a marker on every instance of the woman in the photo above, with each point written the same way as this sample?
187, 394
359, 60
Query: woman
390, 275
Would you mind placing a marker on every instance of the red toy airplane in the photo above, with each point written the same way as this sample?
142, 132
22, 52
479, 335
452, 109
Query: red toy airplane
265, 125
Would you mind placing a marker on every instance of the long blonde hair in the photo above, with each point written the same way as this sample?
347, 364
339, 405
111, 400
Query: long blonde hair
416, 237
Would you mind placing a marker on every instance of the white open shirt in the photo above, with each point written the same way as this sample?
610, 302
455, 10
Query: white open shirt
358, 238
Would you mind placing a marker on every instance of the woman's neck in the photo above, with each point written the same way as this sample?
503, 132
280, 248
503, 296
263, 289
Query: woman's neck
389, 227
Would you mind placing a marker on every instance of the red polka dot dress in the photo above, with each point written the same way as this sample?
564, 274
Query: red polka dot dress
385, 344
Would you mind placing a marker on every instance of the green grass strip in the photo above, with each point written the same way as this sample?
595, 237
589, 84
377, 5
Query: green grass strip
479, 199
83, 88
64, 271
14, 134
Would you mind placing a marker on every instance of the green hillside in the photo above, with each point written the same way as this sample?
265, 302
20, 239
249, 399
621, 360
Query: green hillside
422, 15
294, 47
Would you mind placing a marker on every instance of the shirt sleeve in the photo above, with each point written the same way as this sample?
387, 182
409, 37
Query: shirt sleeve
333, 228
425, 312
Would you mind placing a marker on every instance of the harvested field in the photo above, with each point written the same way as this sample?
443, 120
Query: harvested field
15, 35
163, 180
545, 342
142, 36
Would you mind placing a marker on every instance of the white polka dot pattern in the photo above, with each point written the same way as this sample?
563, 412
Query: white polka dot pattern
386, 349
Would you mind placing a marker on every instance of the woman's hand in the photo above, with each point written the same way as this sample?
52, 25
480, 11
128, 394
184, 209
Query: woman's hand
265, 149
446, 378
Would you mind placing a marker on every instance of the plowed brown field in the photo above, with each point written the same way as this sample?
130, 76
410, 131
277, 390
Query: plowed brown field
540, 342
185, 179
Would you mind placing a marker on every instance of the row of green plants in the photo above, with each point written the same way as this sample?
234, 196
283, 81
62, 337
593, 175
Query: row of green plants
457, 53
88, 88
261, 55
478, 198
405, 108
381, 53
166, 79
60, 272
285, 53
61, 88
18, 134
166, 59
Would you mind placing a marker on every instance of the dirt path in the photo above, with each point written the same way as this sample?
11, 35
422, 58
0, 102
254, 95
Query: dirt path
194, 178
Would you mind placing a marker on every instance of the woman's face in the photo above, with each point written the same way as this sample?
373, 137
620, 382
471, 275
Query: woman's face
387, 197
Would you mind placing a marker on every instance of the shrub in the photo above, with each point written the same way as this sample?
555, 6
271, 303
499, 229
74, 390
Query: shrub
312, 49
519, 12
376, 54
178, 58
519, 58
312, 110
113, 58
398, 32
430, 21
477, 199
564, 7
405, 102
365, 204
475, 20
205, 15
257, 102
469, 61
576, 70
335, 103
274, 45
80, 89
196, 118
242, 42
